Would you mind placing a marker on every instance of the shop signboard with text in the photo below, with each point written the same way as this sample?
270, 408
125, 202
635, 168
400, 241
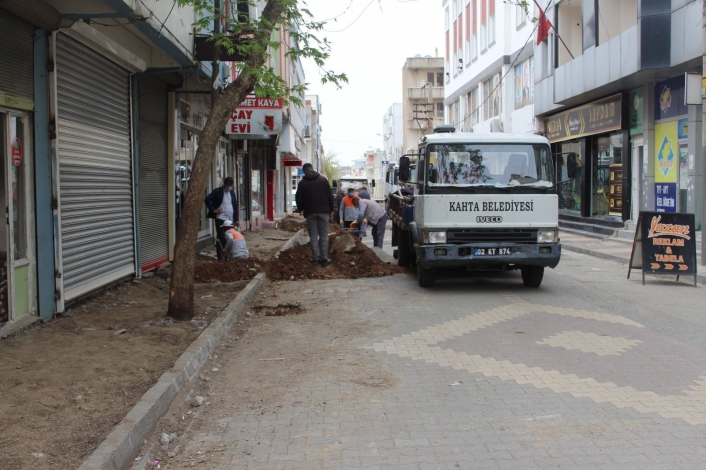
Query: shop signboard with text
664, 244
594, 118
256, 116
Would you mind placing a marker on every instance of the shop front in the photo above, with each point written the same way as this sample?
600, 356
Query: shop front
590, 145
192, 112
18, 282
255, 127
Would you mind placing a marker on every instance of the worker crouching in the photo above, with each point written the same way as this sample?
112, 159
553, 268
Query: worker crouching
373, 214
235, 243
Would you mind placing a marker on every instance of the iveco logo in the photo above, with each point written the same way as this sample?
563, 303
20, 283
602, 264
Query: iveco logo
489, 219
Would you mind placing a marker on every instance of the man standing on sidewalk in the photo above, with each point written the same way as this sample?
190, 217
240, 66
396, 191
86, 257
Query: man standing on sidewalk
315, 201
376, 217
222, 206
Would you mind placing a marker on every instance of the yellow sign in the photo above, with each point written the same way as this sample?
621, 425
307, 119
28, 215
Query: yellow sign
666, 152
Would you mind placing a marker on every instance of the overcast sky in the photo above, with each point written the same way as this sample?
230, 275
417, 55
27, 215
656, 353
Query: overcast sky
371, 51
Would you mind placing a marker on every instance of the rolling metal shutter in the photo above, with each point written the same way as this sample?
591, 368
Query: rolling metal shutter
152, 109
95, 177
16, 57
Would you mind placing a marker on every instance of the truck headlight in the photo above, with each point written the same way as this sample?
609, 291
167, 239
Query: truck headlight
437, 237
547, 236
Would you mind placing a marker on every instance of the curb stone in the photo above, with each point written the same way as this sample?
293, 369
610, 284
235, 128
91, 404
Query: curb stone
289, 243
124, 442
700, 278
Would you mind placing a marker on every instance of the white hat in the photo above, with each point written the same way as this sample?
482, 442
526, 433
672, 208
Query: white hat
227, 223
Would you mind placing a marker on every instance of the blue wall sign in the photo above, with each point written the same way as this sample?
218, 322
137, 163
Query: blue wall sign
666, 197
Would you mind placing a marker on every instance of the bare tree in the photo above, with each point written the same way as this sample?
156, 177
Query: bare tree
252, 39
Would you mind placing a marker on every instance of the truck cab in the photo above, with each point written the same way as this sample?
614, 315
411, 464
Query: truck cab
481, 202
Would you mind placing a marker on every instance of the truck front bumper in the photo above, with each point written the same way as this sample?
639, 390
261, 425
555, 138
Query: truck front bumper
447, 255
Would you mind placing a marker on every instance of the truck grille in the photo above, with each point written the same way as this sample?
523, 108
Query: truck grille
491, 235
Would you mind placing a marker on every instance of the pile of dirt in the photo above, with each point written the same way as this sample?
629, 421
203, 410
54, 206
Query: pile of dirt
292, 224
220, 271
357, 261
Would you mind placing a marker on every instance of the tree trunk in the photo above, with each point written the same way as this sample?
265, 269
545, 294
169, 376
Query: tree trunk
181, 290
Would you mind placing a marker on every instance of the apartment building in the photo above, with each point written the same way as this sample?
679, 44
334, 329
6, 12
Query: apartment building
488, 66
423, 103
612, 87
392, 133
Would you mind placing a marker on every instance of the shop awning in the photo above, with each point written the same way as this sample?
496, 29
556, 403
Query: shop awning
289, 159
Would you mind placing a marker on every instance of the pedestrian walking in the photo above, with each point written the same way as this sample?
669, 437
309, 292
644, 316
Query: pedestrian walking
221, 208
373, 214
315, 201
235, 247
364, 194
348, 213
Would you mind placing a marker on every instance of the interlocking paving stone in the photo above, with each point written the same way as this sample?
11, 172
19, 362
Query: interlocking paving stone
518, 401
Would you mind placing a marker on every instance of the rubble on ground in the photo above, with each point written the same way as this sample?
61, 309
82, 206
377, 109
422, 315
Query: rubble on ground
350, 259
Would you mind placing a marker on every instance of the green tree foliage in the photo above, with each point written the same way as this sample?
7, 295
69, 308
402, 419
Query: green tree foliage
331, 166
252, 38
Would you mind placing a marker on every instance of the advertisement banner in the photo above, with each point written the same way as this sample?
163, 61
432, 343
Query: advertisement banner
666, 152
256, 116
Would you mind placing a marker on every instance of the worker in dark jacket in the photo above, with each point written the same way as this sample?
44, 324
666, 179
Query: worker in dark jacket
221, 209
315, 201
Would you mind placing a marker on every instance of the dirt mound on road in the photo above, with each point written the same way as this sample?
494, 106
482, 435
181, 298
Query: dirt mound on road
295, 264
292, 224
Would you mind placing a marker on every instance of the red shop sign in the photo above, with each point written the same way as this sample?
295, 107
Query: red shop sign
16, 151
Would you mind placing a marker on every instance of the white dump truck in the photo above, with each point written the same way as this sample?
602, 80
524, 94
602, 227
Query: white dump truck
480, 202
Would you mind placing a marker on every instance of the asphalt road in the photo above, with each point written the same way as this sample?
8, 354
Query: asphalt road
591, 370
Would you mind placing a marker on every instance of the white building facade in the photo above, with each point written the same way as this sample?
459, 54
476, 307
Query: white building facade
488, 67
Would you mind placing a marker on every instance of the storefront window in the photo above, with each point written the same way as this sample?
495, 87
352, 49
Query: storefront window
569, 170
606, 180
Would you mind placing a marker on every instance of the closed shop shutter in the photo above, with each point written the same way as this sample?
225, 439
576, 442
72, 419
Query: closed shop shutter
152, 109
95, 177
16, 58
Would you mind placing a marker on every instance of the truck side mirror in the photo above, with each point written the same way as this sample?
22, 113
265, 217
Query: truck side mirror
372, 183
404, 169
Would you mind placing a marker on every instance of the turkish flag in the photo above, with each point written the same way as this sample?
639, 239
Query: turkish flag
543, 26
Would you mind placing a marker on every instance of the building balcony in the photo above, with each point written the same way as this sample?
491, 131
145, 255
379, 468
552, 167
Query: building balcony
437, 93
425, 63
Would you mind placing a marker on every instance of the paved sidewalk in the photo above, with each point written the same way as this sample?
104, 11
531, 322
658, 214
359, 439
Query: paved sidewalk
608, 249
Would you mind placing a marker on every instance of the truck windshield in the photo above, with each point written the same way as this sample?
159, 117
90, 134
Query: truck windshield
495, 165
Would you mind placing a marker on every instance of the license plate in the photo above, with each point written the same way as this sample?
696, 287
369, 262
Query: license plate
491, 251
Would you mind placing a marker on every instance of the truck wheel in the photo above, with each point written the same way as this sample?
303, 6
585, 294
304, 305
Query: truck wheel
404, 255
426, 276
532, 275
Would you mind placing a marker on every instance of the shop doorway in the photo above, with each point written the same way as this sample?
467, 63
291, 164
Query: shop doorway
17, 278
606, 177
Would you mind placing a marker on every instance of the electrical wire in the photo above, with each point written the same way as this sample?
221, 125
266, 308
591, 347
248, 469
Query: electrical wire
354, 21
159, 34
340, 14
